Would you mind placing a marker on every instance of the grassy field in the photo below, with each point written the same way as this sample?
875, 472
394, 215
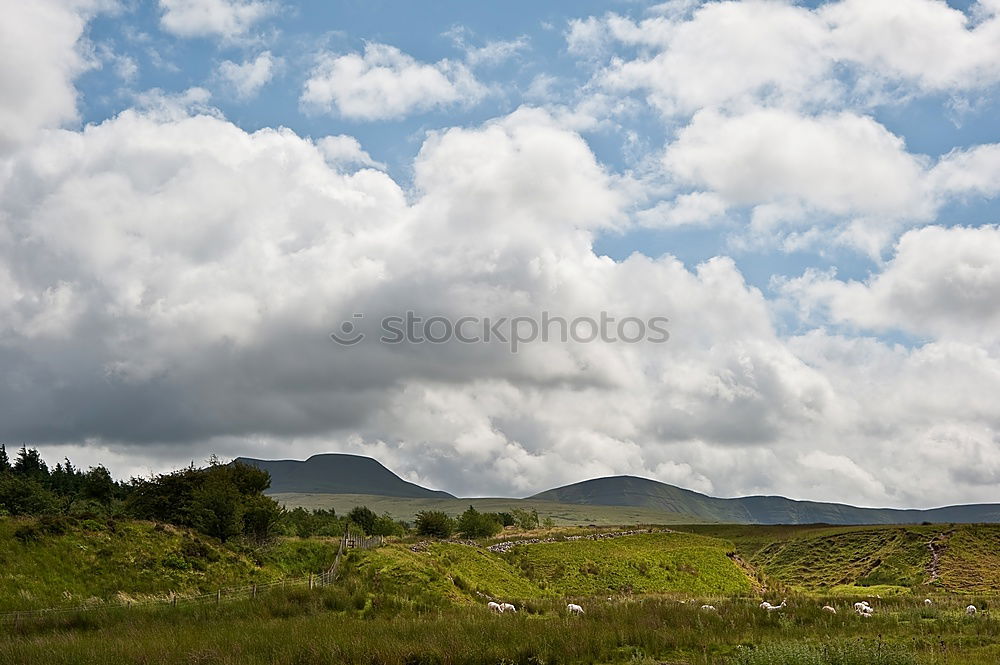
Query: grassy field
69, 563
563, 514
417, 602
337, 625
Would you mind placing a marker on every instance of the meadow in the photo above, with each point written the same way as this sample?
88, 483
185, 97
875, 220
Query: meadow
423, 601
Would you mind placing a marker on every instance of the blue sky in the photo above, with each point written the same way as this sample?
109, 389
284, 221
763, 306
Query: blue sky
929, 124
196, 192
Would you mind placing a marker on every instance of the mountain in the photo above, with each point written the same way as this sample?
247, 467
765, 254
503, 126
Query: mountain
642, 492
336, 473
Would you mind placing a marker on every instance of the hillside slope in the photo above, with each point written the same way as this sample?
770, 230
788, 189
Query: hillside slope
642, 492
337, 473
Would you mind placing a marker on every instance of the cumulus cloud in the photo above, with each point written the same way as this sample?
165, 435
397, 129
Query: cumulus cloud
732, 54
40, 61
839, 163
247, 78
169, 281
384, 82
941, 282
212, 18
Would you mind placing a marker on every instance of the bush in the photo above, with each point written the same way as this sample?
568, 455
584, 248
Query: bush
435, 524
474, 524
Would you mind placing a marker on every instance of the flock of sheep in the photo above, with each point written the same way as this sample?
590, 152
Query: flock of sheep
862, 608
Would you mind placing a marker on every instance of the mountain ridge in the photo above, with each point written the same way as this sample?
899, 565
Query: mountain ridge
345, 474
758, 509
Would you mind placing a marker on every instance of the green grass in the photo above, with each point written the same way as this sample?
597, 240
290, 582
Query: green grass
128, 560
339, 625
651, 563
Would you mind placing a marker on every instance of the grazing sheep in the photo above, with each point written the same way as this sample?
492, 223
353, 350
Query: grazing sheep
709, 608
860, 606
771, 608
828, 608
573, 608
495, 607
927, 601
507, 607
971, 610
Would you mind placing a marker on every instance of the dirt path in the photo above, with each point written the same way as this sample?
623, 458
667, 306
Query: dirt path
937, 545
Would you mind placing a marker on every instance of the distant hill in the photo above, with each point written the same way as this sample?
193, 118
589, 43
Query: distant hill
337, 473
646, 493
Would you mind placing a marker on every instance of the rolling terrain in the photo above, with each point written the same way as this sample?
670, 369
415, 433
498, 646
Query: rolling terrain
322, 481
642, 492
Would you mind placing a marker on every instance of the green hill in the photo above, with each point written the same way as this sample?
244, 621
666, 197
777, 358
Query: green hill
961, 558
646, 493
339, 474
63, 562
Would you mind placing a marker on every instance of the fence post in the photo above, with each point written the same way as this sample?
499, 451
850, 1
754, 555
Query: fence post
254, 591
218, 597
310, 581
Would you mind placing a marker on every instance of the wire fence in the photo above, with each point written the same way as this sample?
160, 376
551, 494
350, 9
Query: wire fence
350, 540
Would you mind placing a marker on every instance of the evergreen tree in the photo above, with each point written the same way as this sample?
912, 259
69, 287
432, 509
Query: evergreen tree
4, 460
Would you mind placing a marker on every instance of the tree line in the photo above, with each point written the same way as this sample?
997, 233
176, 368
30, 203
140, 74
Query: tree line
221, 500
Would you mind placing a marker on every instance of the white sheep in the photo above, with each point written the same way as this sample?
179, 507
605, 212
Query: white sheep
573, 608
495, 607
709, 608
928, 602
860, 606
771, 608
971, 610
507, 607
828, 608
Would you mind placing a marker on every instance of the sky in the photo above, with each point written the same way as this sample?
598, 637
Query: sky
194, 194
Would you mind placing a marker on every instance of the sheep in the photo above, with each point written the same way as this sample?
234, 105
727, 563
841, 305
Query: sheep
771, 608
573, 608
507, 607
928, 602
860, 606
971, 610
828, 608
709, 608
495, 607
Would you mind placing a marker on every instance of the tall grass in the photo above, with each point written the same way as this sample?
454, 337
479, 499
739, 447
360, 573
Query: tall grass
349, 625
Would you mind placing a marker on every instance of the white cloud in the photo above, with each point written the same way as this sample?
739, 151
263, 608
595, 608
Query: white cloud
210, 18
941, 282
246, 79
343, 150
385, 83
839, 163
40, 61
922, 42
732, 54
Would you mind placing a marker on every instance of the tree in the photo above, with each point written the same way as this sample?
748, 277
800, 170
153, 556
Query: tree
217, 508
474, 524
261, 515
386, 526
435, 524
29, 464
4, 460
364, 517
526, 519
98, 485
25, 496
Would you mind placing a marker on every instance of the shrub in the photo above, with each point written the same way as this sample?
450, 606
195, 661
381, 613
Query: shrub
435, 524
